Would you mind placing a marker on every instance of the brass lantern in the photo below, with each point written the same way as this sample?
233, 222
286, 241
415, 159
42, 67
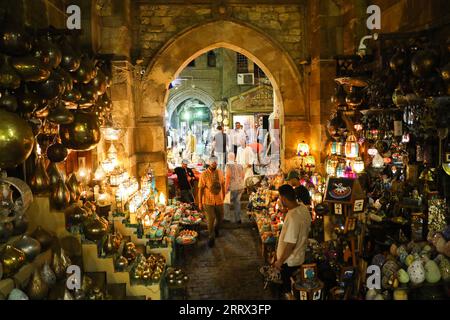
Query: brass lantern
351, 147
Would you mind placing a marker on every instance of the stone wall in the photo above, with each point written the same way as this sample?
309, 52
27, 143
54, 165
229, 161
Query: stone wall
154, 25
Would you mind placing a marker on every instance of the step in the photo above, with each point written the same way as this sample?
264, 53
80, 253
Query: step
117, 291
42, 214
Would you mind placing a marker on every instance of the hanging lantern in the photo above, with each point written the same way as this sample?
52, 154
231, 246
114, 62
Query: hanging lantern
310, 162
351, 147
108, 166
99, 173
317, 198
358, 165
331, 167
378, 161
302, 149
340, 171
111, 134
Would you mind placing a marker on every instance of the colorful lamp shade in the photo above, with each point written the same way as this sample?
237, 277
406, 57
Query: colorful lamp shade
351, 147
358, 165
331, 166
310, 162
340, 170
378, 161
302, 149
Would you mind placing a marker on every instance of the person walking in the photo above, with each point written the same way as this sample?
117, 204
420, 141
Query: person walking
293, 238
211, 195
221, 145
234, 184
238, 137
186, 178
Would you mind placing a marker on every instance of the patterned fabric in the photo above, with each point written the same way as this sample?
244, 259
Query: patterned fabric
206, 182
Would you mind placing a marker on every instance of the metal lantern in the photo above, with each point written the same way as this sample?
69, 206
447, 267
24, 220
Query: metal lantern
302, 149
358, 165
351, 147
310, 162
378, 161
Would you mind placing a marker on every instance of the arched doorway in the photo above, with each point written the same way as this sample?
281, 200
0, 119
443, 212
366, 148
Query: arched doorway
175, 56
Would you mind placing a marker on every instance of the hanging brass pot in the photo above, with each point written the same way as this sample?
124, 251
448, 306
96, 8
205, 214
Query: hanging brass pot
58, 266
424, 62
56, 152
88, 95
75, 215
43, 236
6, 231
74, 187
51, 88
60, 196
16, 140
99, 82
339, 97
95, 229
12, 260
31, 247
20, 225
39, 181
86, 71
53, 174
29, 101
37, 287
68, 80
82, 134
53, 50
30, 68
8, 102
71, 98
353, 99
14, 40
60, 114
9, 79
48, 275
70, 58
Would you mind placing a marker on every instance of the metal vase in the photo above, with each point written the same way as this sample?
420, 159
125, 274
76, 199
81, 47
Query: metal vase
58, 266
60, 196
43, 236
12, 260
53, 174
40, 182
31, 247
48, 275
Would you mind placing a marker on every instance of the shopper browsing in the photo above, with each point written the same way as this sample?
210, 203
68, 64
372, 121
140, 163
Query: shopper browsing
234, 184
186, 178
211, 195
293, 238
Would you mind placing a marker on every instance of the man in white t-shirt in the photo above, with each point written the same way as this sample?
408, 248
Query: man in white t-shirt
293, 238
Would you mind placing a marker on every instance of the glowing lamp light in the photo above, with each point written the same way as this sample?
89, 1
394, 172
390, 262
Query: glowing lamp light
387, 160
317, 197
83, 174
372, 152
378, 161
351, 147
331, 167
358, 165
38, 149
310, 162
446, 167
358, 126
340, 171
405, 138
302, 149
108, 165
112, 152
162, 199
99, 174
111, 134
147, 222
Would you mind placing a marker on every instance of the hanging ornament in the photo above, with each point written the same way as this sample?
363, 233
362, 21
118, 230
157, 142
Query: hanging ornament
53, 174
60, 115
86, 71
29, 101
8, 102
71, 59
30, 68
351, 147
82, 134
60, 197
40, 182
51, 88
9, 79
37, 287
57, 152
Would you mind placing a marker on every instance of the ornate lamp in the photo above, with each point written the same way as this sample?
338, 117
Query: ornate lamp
351, 147
302, 149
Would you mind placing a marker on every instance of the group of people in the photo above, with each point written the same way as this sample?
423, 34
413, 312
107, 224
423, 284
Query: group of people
217, 191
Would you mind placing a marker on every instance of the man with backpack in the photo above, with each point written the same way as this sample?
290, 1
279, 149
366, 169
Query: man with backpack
211, 195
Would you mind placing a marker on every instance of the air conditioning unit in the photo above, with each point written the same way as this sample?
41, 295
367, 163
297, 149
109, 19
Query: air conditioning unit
246, 78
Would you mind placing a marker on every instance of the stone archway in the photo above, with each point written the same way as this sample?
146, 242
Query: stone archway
174, 57
189, 93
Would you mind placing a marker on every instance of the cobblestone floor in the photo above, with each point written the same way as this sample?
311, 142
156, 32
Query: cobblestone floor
229, 270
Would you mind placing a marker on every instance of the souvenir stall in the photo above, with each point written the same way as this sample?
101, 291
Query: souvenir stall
388, 141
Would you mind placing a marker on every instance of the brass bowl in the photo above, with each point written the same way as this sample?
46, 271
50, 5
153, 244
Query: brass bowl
12, 260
